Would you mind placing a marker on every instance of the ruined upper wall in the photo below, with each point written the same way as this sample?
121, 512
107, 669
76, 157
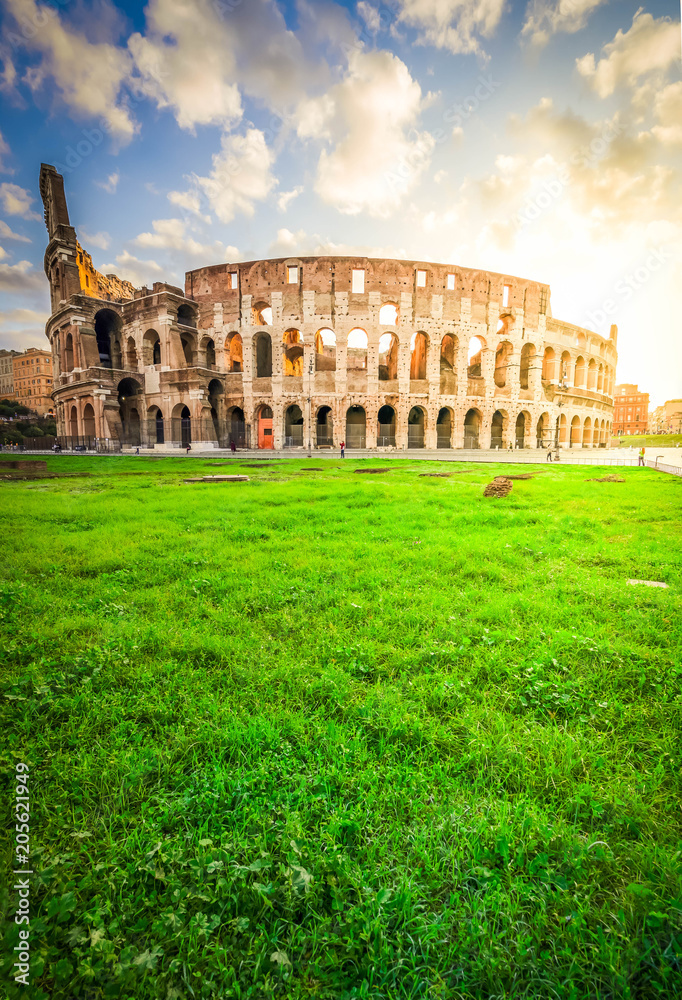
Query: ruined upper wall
101, 286
391, 280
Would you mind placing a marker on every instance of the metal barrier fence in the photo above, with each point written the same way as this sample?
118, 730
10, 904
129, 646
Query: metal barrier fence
673, 470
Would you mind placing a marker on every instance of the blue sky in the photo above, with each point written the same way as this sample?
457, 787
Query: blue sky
542, 139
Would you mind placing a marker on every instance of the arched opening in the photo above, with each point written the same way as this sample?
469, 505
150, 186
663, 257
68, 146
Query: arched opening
89, 420
521, 430
155, 426
355, 427
357, 352
498, 428
549, 365
128, 391
293, 427
187, 316
542, 432
386, 424
502, 356
207, 352
216, 399
388, 357
261, 314
324, 428
418, 348
563, 428
416, 422
579, 377
448, 365
575, 432
265, 437
131, 355
592, 374
587, 433
263, 352
292, 360
236, 427
565, 367
444, 428
388, 314
527, 358
325, 350
234, 353
107, 328
68, 353
474, 357
151, 348
472, 429
600, 379
73, 422
185, 427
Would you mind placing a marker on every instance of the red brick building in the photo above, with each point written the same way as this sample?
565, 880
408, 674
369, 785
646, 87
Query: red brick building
630, 410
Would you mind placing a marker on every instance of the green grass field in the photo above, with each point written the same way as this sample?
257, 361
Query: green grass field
648, 440
332, 735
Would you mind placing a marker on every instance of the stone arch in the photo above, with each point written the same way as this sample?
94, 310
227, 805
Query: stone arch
187, 315
575, 435
549, 365
526, 364
356, 427
522, 429
472, 428
236, 426
543, 434
419, 346
448, 365
68, 353
234, 352
292, 352
324, 427
131, 354
293, 426
388, 357
89, 427
264, 424
207, 353
587, 433
262, 350
502, 356
416, 426
444, 424
562, 425
108, 326
388, 314
325, 350
592, 374
357, 351
564, 366
188, 343
474, 357
181, 420
73, 421
156, 430
151, 348
129, 399
386, 426
579, 377
600, 378
499, 429
261, 314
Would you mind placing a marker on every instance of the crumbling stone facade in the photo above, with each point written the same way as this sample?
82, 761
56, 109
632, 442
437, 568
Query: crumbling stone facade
381, 354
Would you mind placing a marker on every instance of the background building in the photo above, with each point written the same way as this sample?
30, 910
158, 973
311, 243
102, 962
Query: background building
378, 353
630, 410
7, 374
33, 380
667, 419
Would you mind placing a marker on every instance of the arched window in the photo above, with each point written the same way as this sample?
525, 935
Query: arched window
418, 349
448, 365
292, 352
151, 348
527, 357
579, 378
472, 429
388, 314
187, 316
416, 422
131, 354
502, 356
498, 429
357, 351
386, 424
356, 421
325, 350
261, 314
549, 365
89, 420
388, 357
234, 353
108, 325
293, 427
474, 356
263, 352
324, 427
265, 436
444, 428
68, 353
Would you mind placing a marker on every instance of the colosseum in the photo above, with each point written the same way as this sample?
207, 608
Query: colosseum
304, 353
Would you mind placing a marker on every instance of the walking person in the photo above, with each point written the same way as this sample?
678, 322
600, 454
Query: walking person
343, 449
641, 456
549, 455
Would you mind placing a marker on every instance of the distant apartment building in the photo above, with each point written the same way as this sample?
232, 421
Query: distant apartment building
7, 374
667, 419
33, 380
630, 410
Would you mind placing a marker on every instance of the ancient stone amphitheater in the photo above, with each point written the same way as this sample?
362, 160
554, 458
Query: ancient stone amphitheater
308, 352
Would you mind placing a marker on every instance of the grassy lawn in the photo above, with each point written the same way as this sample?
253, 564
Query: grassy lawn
333, 735
648, 440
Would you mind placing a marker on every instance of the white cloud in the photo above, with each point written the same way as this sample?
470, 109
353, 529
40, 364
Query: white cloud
111, 183
241, 175
287, 242
20, 277
650, 45
138, 272
453, 24
4, 152
8, 234
286, 197
17, 201
668, 114
190, 201
88, 76
23, 316
370, 15
171, 235
377, 154
545, 18
100, 240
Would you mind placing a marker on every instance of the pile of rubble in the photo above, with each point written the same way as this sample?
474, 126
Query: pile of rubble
500, 487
